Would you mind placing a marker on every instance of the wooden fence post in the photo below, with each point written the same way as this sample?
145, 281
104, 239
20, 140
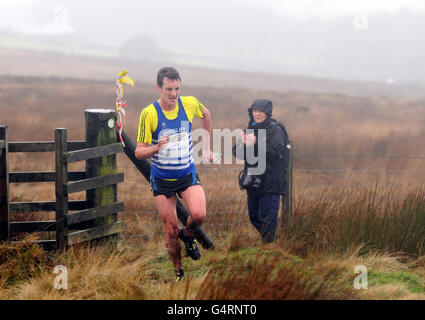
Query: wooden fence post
287, 198
101, 130
61, 149
4, 185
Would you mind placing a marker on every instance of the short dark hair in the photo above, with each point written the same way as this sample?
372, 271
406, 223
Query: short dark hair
167, 72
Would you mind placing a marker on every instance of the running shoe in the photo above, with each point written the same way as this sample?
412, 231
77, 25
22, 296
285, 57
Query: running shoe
192, 249
179, 275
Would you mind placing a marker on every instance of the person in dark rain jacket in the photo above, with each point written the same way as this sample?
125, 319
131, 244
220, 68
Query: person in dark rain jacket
265, 141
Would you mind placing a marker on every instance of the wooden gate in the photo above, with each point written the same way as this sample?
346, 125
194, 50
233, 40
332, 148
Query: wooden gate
78, 220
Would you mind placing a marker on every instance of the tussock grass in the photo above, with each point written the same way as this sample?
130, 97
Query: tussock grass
273, 277
21, 261
384, 220
94, 272
240, 268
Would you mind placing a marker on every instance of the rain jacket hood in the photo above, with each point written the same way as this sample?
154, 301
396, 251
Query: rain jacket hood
263, 105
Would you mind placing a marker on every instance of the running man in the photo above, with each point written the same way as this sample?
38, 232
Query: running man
164, 136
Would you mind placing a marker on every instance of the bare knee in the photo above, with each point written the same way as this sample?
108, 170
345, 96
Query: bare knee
198, 216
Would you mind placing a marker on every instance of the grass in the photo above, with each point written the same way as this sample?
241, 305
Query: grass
254, 271
339, 221
103, 272
377, 219
269, 276
239, 268
21, 262
413, 282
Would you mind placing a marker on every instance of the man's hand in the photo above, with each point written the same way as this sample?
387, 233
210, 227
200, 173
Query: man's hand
163, 141
145, 151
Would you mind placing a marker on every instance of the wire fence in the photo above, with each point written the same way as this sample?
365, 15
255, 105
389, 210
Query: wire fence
331, 156
226, 203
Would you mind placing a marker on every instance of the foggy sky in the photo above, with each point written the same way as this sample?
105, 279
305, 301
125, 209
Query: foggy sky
243, 35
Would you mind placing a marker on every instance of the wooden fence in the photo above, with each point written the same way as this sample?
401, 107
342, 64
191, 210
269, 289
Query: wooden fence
77, 220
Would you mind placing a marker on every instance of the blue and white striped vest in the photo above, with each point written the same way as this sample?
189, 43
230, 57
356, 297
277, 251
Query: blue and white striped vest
175, 160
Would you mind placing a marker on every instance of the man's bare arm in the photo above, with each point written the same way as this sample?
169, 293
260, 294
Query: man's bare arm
145, 151
206, 120
206, 125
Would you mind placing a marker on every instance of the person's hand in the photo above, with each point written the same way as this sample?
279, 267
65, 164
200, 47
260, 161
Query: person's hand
163, 141
248, 139
207, 155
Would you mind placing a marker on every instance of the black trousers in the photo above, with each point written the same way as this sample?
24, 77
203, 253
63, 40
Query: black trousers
263, 212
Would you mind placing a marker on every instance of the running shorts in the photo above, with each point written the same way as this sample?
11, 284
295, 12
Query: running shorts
169, 187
